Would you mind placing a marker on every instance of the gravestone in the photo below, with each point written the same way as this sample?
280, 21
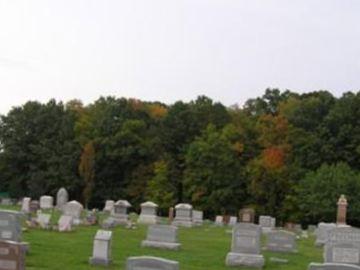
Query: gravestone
267, 223
197, 217
46, 202
232, 221
332, 266
281, 241
219, 221
247, 215
62, 198
120, 212
311, 228
183, 215
10, 226
162, 236
25, 206
344, 252
6, 201
171, 214
343, 246
341, 211
73, 209
34, 206
148, 213
102, 248
91, 217
245, 246
322, 232
12, 255
65, 223
150, 263
108, 223
109, 206
43, 220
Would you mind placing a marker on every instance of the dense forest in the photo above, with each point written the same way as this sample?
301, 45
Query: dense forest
285, 154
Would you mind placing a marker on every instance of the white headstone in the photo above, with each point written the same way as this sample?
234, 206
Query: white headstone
183, 215
46, 202
120, 212
62, 197
43, 220
73, 209
197, 217
102, 248
148, 213
109, 206
219, 221
65, 223
25, 206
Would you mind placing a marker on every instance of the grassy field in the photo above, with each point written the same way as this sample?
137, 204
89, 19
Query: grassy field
203, 248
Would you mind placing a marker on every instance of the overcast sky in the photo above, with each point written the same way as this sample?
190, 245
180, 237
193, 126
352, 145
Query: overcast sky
166, 50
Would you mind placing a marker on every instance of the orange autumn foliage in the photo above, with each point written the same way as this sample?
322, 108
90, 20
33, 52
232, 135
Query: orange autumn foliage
273, 158
157, 111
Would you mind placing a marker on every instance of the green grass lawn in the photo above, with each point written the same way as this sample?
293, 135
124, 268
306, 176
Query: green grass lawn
203, 248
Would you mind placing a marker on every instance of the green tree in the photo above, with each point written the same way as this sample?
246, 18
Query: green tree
159, 189
214, 178
87, 170
319, 191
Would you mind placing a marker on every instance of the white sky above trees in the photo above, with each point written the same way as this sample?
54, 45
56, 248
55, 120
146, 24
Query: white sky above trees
166, 50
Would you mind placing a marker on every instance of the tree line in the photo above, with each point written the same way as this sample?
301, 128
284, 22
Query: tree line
285, 154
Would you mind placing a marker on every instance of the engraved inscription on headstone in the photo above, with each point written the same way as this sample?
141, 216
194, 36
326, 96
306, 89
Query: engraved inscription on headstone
162, 236
245, 247
281, 241
10, 227
12, 255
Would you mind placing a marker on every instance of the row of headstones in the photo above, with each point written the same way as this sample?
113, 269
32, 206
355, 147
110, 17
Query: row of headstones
45, 202
185, 215
245, 248
342, 245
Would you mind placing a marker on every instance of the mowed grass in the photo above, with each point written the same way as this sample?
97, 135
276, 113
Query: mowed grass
203, 248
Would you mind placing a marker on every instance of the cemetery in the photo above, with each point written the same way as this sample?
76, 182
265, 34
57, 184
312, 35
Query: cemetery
62, 238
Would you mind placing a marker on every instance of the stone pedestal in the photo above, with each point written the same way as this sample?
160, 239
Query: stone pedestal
341, 211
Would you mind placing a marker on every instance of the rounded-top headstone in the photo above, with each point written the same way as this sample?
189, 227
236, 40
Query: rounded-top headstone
62, 197
149, 204
124, 203
183, 206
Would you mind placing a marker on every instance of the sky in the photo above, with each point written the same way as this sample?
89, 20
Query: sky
169, 50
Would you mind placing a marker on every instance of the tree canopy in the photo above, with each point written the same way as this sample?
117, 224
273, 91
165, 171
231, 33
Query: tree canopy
286, 154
